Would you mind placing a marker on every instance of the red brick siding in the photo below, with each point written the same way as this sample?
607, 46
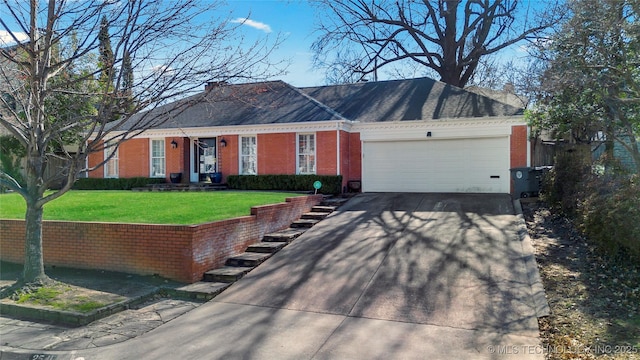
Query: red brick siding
177, 160
276, 153
355, 157
133, 158
519, 145
228, 156
95, 159
326, 152
181, 253
344, 157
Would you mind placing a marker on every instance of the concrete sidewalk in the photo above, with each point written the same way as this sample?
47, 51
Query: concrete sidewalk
408, 276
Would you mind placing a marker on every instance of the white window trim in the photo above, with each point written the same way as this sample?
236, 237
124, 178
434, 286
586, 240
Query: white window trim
315, 151
240, 169
115, 158
151, 157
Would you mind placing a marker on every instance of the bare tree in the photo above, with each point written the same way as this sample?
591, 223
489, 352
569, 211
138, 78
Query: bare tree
55, 107
448, 37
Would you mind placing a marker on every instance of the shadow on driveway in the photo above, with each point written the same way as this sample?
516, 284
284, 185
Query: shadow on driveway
410, 276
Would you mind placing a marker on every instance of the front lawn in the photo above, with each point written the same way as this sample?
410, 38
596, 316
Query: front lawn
145, 207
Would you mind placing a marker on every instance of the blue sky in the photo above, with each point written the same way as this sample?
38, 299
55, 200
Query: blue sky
297, 20
294, 20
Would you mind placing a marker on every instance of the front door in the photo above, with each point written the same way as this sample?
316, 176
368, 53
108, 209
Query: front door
205, 159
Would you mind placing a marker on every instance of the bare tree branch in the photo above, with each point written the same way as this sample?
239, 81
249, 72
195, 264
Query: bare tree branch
448, 37
162, 52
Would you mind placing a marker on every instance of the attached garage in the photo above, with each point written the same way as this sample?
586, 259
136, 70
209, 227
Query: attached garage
447, 156
454, 165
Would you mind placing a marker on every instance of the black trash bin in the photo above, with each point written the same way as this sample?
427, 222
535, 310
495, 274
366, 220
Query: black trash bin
216, 177
528, 180
176, 178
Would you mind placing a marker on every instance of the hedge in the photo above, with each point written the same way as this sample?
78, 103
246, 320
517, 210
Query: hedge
115, 184
609, 213
604, 205
331, 184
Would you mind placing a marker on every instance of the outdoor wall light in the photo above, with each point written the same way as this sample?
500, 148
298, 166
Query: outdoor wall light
223, 142
174, 144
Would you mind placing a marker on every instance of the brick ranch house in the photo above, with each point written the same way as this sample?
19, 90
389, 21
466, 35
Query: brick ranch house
416, 135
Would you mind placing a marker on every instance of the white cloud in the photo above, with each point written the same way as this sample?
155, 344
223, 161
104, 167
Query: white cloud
163, 71
6, 38
537, 43
254, 24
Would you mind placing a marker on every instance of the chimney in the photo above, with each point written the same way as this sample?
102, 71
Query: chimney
214, 84
509, 88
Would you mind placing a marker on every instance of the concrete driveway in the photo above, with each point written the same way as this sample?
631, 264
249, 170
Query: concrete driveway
387, 276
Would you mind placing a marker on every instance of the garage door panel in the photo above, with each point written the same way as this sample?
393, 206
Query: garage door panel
458, 165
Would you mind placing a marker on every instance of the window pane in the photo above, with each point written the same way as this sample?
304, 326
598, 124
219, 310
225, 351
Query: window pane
157, 167
306, 154
111, 166
157, 148
248, 155
157, 158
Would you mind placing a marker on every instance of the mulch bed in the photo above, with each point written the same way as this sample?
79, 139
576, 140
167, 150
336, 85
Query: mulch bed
594, 297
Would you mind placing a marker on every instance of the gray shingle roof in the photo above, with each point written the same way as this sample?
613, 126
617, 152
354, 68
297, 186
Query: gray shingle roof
413, 99
277, 102
273, 102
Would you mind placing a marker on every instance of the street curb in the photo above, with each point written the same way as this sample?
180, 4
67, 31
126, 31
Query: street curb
539, 297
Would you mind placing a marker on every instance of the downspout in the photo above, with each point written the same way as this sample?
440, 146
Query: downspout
528, 146
338, 149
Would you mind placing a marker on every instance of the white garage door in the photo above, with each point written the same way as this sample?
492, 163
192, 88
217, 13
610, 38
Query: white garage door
453, 165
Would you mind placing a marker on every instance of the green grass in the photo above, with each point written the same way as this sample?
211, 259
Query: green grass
145, 207
58, 296
84, 304
43, 295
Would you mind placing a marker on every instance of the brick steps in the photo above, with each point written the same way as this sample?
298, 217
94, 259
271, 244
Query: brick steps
304, 223
267, 247
336, 202
286, 235
251, 259
238, 266
314, 215
202, 290
323, 209
226, 274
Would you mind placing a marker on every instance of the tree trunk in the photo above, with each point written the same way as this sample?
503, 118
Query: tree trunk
33, 261
33, 271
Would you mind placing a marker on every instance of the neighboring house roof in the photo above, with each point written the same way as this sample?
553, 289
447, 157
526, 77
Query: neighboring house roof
413, 99
276, 102
506, 95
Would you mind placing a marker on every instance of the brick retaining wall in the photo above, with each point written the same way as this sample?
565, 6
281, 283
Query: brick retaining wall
178, 252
